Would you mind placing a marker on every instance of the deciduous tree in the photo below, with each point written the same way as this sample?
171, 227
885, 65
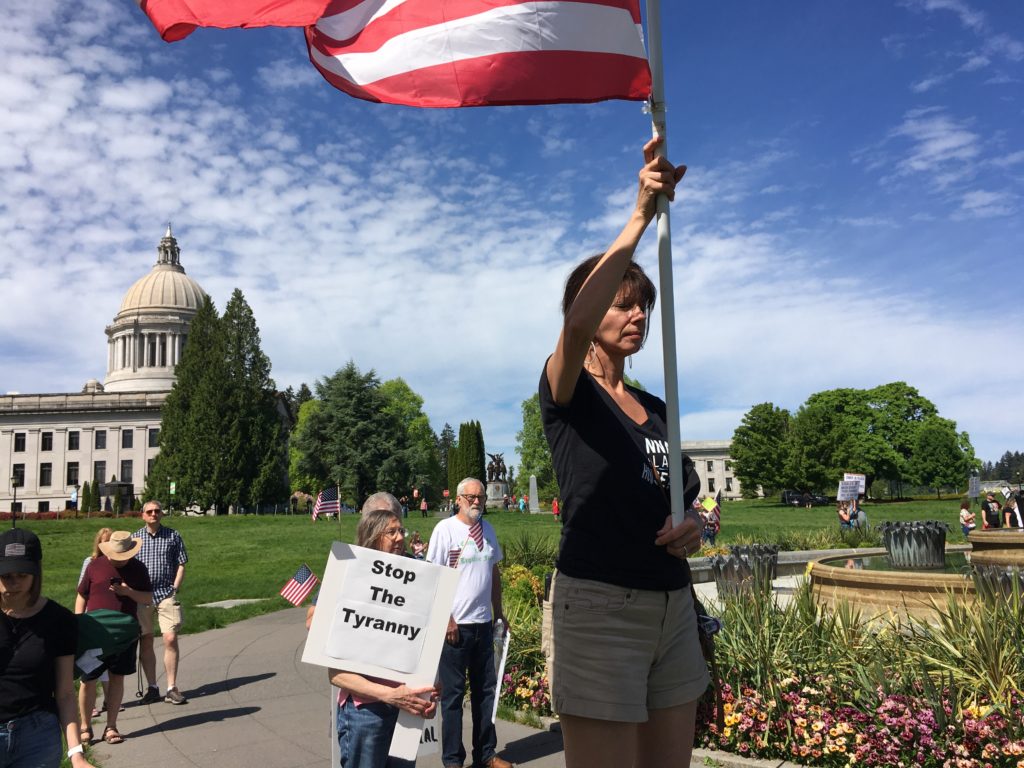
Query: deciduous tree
533, 450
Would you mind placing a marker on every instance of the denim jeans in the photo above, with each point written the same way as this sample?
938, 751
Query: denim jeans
473, 653
364, 735
31, 741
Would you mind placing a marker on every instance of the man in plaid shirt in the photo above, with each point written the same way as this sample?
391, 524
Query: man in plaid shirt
163, 554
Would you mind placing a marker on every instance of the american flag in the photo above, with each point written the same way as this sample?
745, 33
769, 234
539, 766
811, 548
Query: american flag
449, 53
299, 586
326, 502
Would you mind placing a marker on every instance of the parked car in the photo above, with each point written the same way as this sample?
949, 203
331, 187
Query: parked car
803, 498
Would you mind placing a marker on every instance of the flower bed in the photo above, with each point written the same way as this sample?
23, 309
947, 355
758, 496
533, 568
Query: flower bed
810, 723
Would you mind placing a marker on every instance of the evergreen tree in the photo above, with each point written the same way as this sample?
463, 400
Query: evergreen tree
194, 423
304, 395
85, 497
255, 459
445, 443
94, 497
479, 467
349, 439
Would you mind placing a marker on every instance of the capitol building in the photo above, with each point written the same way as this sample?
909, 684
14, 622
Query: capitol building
52, 443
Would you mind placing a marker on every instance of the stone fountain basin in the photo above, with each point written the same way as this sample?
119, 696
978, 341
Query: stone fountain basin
1000, 546
876, 591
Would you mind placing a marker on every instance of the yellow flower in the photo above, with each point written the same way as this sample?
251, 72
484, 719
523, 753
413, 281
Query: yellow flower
727, 707
817, 725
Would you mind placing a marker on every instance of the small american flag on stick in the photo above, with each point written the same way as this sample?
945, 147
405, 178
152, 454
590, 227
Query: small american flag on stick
327, 502
299, 586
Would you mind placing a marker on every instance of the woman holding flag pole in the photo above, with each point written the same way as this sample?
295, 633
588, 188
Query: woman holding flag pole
624, 656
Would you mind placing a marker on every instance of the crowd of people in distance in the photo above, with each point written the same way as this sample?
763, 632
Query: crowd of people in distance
994, 515
135, 574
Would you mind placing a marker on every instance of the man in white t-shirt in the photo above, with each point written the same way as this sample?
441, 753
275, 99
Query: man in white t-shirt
467, 542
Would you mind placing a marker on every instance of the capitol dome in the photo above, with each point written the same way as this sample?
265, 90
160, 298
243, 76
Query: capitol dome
148, 335
165, 287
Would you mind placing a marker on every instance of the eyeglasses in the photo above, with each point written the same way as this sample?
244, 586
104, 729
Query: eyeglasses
395, 533
152, 511
470, 497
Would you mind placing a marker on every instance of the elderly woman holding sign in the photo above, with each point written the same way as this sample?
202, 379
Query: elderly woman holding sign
367, 706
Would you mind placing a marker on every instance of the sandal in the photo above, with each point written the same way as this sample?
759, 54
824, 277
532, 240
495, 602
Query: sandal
85, 735
111, 736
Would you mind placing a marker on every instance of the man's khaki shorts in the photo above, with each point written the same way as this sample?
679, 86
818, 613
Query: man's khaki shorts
168, 614
616, 653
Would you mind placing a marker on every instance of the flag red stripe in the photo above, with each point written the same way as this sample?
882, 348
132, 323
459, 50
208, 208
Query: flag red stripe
534, 77
175, 19
345, 20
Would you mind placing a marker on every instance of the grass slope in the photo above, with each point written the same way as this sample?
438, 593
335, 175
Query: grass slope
252, 557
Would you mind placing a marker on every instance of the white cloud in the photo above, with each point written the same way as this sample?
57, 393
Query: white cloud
981, 203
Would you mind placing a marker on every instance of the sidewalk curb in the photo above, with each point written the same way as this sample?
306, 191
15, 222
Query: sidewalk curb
713, 758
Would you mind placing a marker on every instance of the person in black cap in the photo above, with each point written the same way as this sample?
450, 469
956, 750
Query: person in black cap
37, 649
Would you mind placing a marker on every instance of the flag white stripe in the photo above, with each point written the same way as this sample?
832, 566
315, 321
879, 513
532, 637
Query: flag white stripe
539, 26
342, 26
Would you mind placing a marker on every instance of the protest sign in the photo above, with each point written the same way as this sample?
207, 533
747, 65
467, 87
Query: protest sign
384, 616
974, 487
709, 503
848, 489
861, 480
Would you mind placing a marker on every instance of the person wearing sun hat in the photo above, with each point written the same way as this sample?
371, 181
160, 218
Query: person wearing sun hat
117, 581
37, 650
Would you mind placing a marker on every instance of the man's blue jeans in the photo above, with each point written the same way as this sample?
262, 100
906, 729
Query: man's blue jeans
31, 741
474, 654
364, 735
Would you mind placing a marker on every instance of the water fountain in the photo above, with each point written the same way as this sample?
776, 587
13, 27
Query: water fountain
908, 577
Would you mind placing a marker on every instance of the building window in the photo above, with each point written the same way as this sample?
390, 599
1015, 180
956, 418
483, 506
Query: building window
728, 466
73, 440
728, 484
711, 466
46, 474
126, 471
127, 438
19, 442
711, 485
72, 478
149, 467
101, 439
99, 471
18, 475
46, 443
154, 437
16, 507
44, 506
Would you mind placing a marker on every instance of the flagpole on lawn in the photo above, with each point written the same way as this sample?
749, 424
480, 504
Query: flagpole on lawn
668, 315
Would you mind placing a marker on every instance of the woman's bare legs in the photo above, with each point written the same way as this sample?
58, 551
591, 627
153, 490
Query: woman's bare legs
665, 739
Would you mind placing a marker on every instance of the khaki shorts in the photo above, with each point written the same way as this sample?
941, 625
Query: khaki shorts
168, 613
615, 653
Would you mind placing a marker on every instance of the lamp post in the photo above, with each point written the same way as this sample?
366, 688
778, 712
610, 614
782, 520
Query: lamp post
14, 504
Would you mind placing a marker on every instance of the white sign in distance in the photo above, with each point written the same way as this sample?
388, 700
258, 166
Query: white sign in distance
383, 616
848, 490
861, 480
974, 487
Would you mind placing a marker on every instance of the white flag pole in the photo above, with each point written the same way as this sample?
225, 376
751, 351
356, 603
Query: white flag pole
668, 314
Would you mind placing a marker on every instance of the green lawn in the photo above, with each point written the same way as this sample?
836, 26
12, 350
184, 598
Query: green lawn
252, 557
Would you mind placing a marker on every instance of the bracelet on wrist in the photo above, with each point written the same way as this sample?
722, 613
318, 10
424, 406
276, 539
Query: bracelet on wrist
78, 749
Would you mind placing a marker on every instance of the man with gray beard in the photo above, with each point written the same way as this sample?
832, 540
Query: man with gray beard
468, 543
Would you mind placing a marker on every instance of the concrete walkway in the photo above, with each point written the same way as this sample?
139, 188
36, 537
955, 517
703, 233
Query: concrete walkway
252, 702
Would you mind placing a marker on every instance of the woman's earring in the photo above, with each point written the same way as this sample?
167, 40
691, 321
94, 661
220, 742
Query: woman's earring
630, 360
